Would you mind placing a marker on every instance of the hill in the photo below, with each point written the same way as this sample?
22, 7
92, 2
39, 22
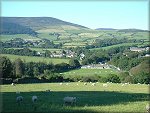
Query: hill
105, 29
13, 28
132, 30
37, 22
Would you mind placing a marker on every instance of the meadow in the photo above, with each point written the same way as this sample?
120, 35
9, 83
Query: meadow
37, 59
90, 99
90, 72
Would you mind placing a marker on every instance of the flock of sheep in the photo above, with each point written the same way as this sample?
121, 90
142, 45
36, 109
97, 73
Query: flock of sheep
68, 100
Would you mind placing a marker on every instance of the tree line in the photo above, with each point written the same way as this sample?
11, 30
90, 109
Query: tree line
19, 68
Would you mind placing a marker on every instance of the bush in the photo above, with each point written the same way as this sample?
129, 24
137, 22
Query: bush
113, 78
125, 77
143, 78
90, 78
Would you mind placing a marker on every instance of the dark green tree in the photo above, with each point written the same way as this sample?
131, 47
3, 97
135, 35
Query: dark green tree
19, 67
5, 67
74, 63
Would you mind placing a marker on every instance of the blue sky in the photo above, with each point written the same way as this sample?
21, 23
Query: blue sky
92, 14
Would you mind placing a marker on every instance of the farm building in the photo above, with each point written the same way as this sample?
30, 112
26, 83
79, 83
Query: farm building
96, 66
136, 49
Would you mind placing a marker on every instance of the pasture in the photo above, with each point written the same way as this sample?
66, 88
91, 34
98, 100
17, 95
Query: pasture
37, 59
90, 72
90, 99
23, 36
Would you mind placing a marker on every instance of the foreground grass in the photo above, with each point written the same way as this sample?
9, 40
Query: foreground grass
36, 59
97, 99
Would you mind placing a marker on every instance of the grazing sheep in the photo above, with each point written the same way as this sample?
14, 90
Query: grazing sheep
34, 99
93, 84
105, 85
19, 99
122, 84
77, 84
85, 83
60, 83
69, 100
12, 84
148, 108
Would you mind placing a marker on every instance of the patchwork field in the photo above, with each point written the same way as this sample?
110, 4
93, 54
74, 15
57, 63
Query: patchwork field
90, 99
37, 59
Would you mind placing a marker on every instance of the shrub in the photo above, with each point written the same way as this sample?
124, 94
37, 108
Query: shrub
113, 78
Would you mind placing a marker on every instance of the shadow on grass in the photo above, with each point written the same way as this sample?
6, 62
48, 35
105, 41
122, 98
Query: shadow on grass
52, 102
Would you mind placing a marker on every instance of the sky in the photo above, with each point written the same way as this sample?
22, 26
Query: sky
93, 14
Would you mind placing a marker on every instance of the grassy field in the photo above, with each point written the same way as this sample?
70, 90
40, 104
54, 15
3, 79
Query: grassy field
90, 99
23, 36
90, 72
36, 59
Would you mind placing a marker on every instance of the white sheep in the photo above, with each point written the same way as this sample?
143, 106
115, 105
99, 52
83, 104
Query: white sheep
148, 108
60, 83
105, 85
77, 84
85, 83
12, 84
122, 84
93, 84
19, 99
34, 99
69, 100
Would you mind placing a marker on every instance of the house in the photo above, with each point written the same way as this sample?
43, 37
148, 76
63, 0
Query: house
136, 49
96, 66
82, 56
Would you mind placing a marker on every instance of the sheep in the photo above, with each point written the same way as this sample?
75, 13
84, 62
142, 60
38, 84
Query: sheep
77, 84
12, 84
105, 85
93, 84
69, 100
34, 99
148, 108
85, 83
122, 84
60, 83
19, 99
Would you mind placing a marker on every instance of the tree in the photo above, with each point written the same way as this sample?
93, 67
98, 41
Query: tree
113, 78
19, 67
5, 67
36, 71
74, 63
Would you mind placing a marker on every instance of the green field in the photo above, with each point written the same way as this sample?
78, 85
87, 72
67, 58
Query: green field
23, 36
90, 99
89, 72
36, 59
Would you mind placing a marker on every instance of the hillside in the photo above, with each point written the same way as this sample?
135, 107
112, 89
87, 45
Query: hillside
37, 22
13, 28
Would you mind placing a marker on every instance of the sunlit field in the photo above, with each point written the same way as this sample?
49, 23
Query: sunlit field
90, 98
